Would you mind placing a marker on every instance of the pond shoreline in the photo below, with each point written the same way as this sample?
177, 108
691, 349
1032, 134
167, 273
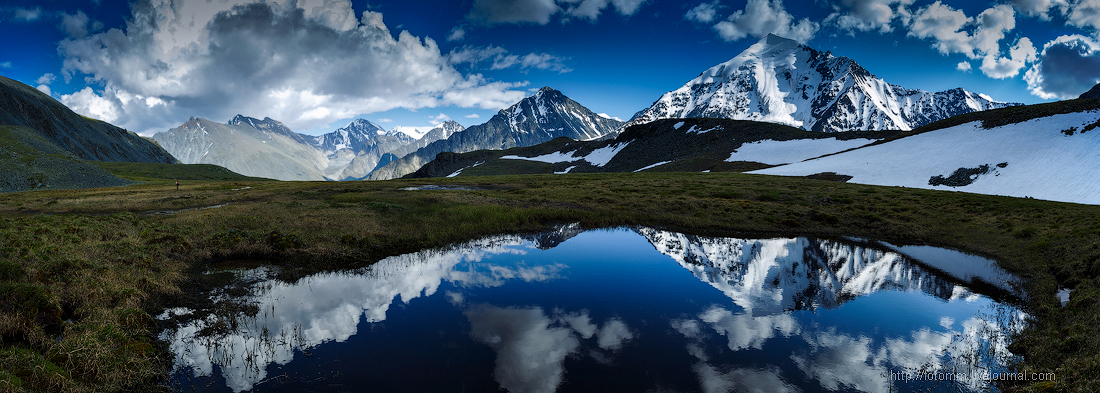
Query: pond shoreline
314, 226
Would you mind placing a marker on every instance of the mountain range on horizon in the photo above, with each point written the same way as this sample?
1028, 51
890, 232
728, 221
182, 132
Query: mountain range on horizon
267, 148
775, 80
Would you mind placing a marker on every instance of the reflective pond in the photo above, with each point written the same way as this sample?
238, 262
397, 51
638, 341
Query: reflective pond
615, 310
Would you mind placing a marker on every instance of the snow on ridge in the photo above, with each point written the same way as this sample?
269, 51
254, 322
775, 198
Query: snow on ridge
551, 158
773, 152
597, 157
456, 173
652, 166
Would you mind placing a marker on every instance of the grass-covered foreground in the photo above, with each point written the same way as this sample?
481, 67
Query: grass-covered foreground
83, 271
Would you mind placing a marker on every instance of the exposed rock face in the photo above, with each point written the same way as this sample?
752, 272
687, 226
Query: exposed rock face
251, 147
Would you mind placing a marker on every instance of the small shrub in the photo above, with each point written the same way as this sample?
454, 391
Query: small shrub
11, 271
280, 241
769, 196
727, 194
824, 218
1025, 232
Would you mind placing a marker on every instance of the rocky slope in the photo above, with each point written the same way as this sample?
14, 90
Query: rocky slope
88, 139
45, 145
251, 147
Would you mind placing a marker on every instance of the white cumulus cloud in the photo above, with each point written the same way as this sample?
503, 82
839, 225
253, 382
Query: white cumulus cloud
305, 64
530, 352
703, 13
499, 58
868, 15
1084, 14
763, 17
951, 31
1007, 67
1037, 8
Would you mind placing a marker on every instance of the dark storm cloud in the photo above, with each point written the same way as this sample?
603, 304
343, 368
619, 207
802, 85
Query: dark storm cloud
1067, 67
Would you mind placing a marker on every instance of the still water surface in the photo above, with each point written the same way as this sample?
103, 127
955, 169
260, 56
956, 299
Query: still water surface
616, 310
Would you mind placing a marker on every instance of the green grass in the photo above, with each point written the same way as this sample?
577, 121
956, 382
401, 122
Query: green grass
83, 270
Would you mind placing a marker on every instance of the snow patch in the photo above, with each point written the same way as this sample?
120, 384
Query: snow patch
652, 166
603, 155
783, 152
678, 125
551, 158
1063, 296
566, 170
456, 173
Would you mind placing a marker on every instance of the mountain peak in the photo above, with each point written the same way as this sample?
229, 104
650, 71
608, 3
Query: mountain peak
773, 39
781, 81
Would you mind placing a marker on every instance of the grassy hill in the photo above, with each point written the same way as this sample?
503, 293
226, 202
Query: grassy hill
30, 162
45, 145
156, 172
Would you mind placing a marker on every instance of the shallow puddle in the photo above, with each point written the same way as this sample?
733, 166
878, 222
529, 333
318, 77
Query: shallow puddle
616, 310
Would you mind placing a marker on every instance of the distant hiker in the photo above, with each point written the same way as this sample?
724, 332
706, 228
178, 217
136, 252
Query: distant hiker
177, 185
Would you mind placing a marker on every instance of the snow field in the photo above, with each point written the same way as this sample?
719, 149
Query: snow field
1042, 162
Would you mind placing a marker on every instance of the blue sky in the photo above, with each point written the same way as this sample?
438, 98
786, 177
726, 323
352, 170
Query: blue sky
149, 65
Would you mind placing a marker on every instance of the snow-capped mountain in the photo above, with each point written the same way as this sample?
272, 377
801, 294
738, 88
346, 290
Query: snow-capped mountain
1046, 151
386, 150
267, 125
770, 276
778, 80
267, 148
355, 150
546, 115
358, 136
443, 131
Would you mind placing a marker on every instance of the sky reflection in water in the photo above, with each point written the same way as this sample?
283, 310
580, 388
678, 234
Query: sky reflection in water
629, 310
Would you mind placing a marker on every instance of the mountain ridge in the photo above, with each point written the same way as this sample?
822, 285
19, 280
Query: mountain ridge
546, 115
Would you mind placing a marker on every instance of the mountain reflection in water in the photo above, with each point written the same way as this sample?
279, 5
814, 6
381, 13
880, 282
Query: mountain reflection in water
577, 311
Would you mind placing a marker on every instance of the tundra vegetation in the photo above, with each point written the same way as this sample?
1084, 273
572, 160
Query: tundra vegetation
83, 272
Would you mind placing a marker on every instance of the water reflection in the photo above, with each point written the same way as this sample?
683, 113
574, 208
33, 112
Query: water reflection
573, 311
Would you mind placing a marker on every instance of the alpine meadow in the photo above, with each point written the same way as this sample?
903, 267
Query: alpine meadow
550, 196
